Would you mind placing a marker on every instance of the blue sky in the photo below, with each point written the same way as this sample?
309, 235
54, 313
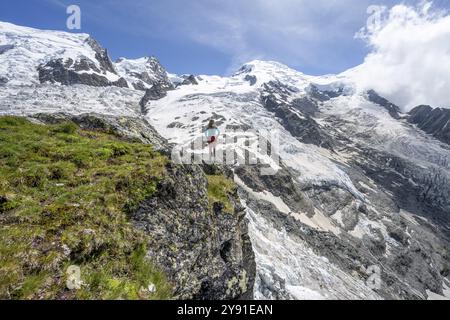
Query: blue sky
215, 37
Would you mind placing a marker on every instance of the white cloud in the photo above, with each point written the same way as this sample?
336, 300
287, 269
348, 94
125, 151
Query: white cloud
410, 59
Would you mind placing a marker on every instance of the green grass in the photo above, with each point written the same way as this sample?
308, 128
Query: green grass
65, 195
220, 189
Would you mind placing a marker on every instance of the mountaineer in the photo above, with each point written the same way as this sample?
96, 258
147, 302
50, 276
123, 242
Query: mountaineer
212, 134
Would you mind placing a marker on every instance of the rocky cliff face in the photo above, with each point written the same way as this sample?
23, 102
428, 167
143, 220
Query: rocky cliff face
304, 127
206, 252
80, 72
143, 73
433, 121
156, 92
393, 110
98, 73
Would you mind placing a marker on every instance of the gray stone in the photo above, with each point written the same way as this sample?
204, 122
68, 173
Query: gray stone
433, 121
393, 110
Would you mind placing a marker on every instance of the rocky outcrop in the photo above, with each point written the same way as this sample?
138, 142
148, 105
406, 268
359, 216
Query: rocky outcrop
324, 95
207, 254
295, 117
143, 73
393, 110
433, 121
280, 185
71, 72
82, 70
251, 79
155, 93
190, 80
101, 55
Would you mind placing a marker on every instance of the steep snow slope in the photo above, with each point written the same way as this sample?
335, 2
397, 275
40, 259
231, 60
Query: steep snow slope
25, 50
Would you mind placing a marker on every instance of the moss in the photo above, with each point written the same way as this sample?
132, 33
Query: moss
64, 198
220, 189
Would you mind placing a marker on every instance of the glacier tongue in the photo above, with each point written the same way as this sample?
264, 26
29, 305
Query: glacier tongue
289, 269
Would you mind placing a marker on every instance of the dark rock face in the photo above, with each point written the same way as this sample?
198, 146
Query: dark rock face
101, 55
297, 116
322, 96
189, 80
251, 79
433, 121
155, 93
306, 106
280, 185
394, 110
155, 74
121, 83
70, 73
3, 81
422, 191
208, 255
83, 71
3, 202
405, 186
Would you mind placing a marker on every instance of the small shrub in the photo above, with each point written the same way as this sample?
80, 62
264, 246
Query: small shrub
34, 177
67, 128
220, 189
62, 171
119, 149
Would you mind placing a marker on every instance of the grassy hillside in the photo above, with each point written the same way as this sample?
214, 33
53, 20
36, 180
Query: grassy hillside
64, 198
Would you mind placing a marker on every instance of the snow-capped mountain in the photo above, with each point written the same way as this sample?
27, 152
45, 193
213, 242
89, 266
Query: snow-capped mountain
30, 56
358, 187
143, 73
